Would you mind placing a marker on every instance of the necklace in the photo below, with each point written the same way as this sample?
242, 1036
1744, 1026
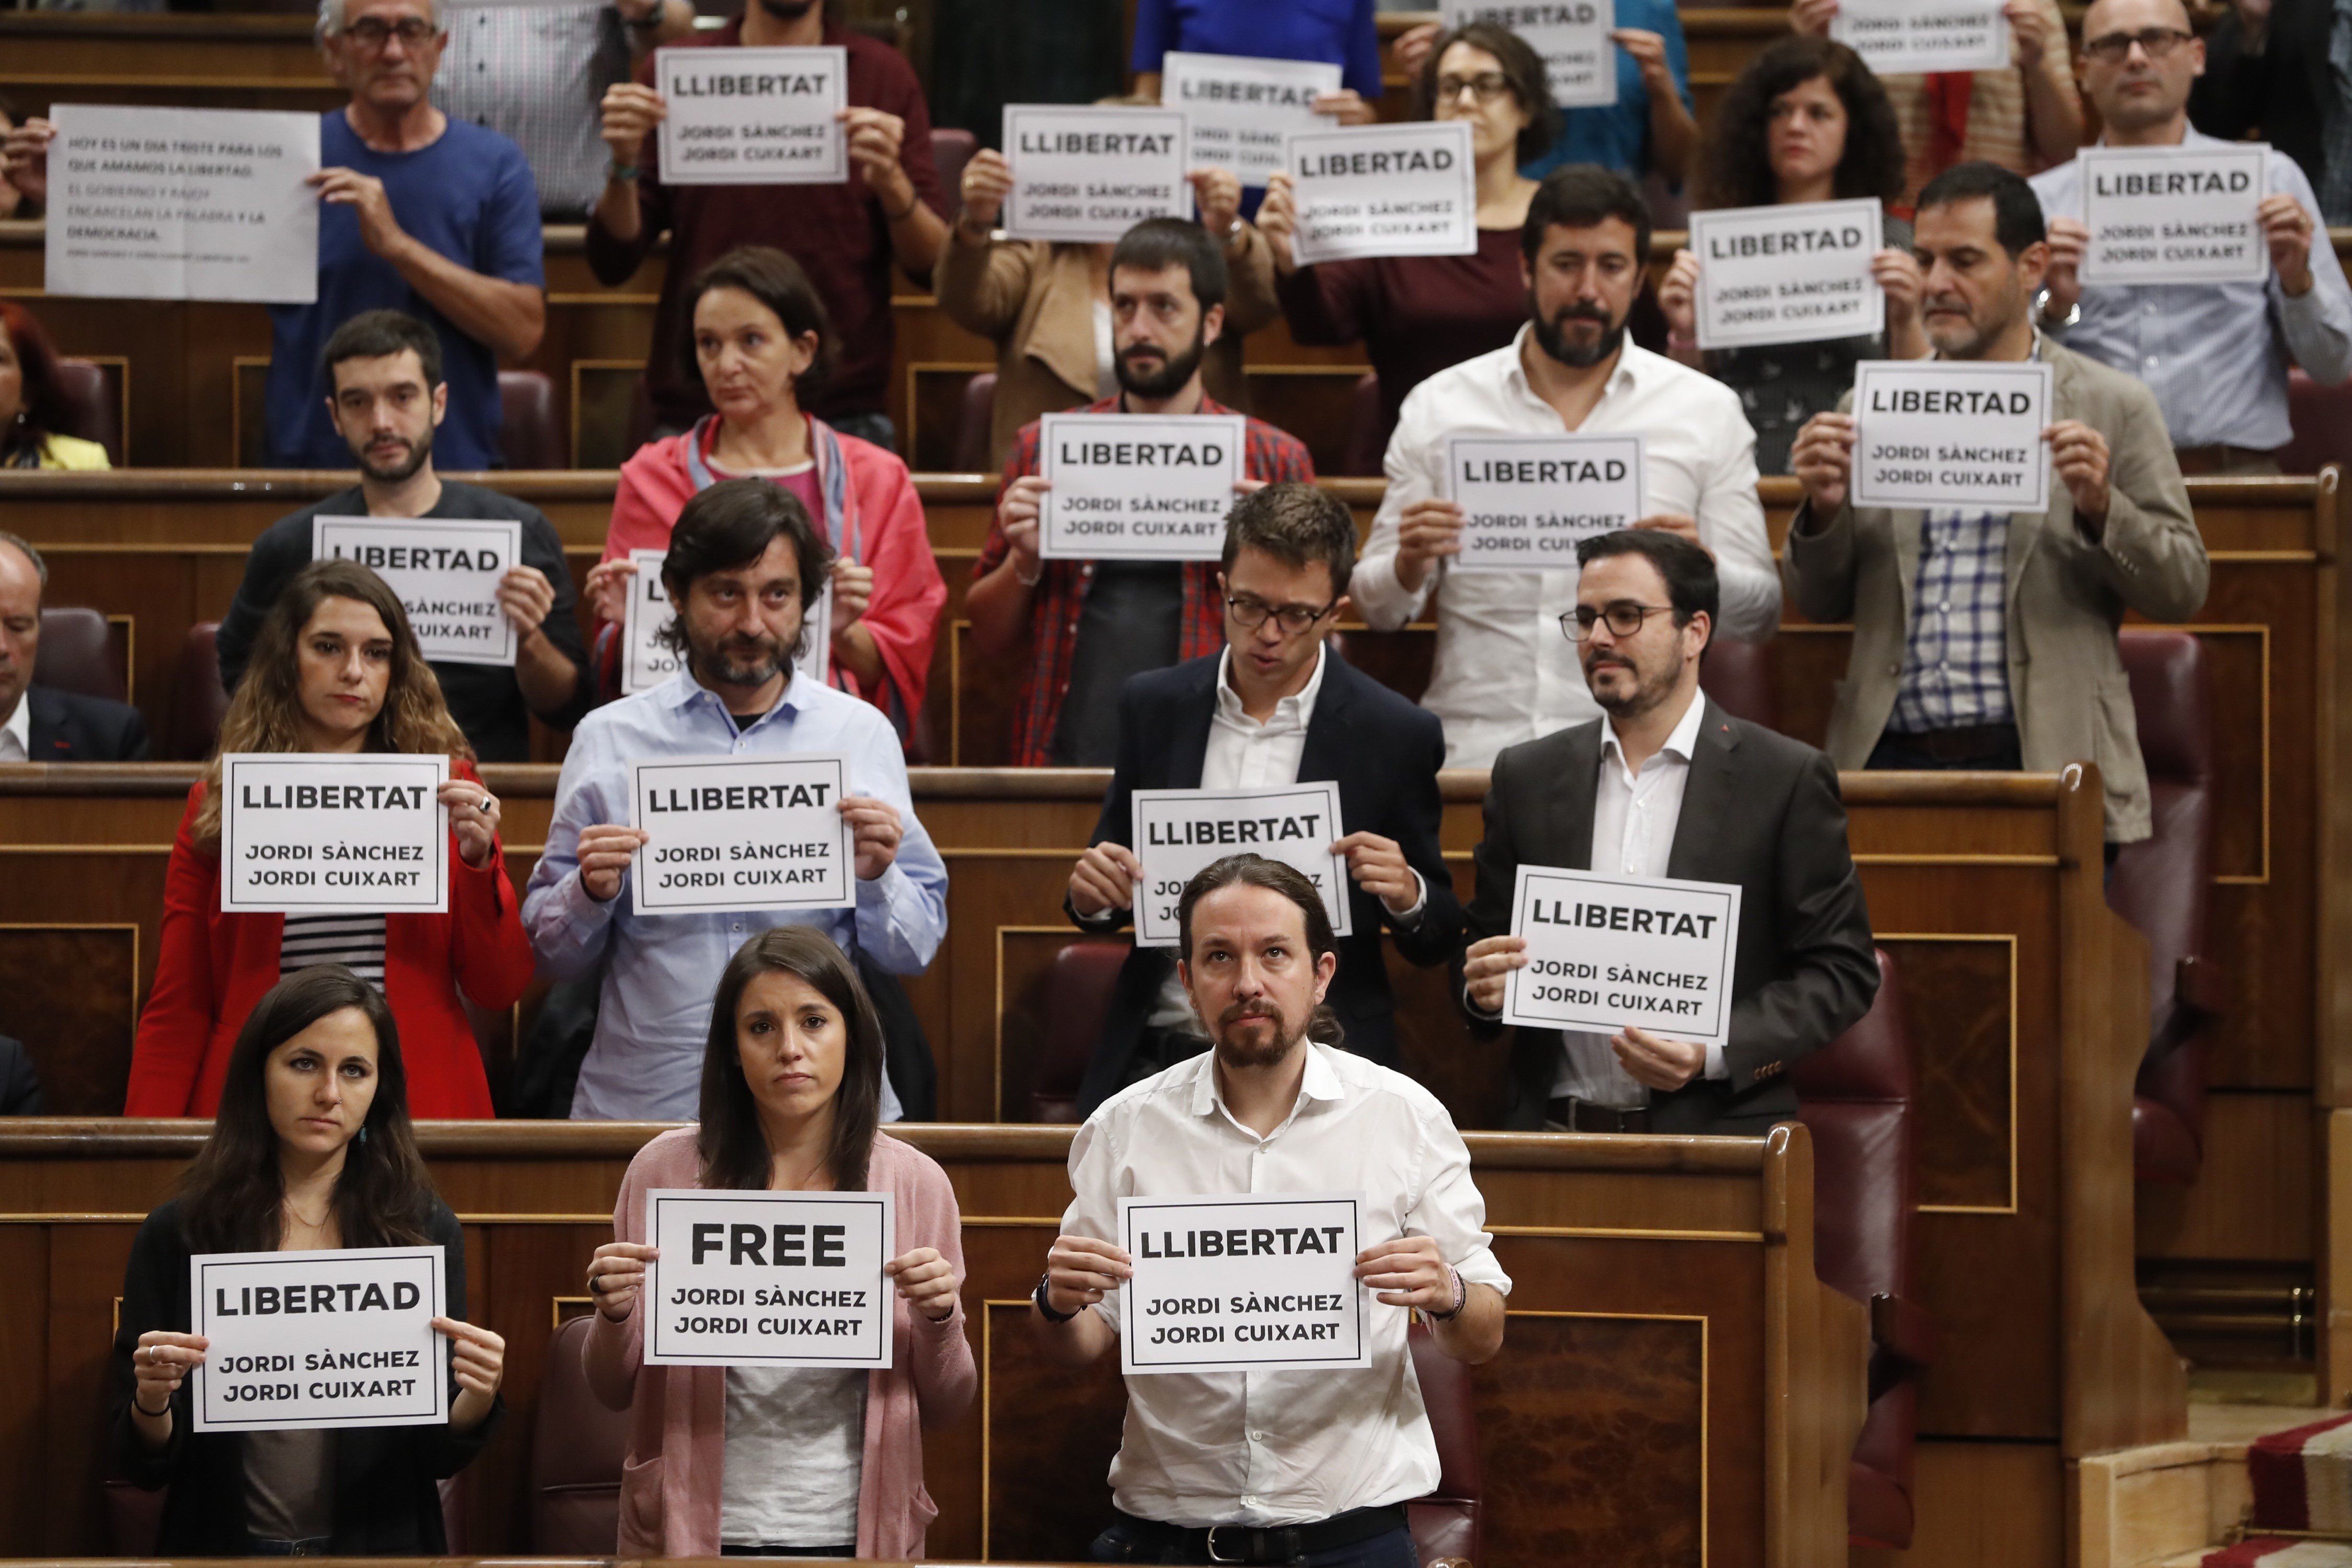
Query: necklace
318, 1223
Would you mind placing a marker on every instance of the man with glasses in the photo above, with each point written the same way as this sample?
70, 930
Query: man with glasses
1671, 785
1502, 675
1277, 706
2215, 355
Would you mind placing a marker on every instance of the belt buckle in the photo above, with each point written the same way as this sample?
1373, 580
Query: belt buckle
1214, 1556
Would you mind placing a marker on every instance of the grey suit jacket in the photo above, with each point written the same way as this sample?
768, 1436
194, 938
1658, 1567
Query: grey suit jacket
1759, 810
2067, 593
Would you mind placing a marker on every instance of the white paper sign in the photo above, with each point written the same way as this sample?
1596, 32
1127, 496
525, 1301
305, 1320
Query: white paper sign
1384, 190
446, 572
1605, 951
769, 1278
1179, 831
308, 1340
646, 661
183, 203
1237, 109
307, 833
1908, 37
1137, 486
1090, 175
1572, 36
2175, 215
1793, 274
1243, 1282
1939, 433
742, 833
1527, 500
753, 117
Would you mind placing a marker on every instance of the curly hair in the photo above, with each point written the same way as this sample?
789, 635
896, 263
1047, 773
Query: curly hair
266, 714
42, 411
1736, 167
1522, 67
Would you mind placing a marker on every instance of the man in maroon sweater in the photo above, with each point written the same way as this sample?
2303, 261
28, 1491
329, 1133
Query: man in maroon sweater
846, 235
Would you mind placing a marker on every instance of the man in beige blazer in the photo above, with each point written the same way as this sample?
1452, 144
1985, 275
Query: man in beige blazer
1988, 640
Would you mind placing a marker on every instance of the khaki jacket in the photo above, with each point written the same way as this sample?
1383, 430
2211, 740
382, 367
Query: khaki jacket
2067, 593
1033, 301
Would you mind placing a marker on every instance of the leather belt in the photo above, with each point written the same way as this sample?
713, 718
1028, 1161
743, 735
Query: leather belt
2221, 459
1268, 1544
1576, 1115
1962, 743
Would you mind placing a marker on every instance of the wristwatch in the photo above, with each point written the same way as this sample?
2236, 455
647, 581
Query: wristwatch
2042, 311
1038, 1295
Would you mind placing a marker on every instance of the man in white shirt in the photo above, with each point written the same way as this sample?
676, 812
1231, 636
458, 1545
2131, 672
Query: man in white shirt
1502, 675
1615, 796
1275, 1467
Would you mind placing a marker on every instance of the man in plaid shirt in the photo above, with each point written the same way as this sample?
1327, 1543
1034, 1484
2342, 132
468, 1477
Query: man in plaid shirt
1090, 625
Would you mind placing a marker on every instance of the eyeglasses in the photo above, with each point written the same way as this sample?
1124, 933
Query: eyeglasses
373, 32
1485, 87
1250, 612
2156, 43
1624, 618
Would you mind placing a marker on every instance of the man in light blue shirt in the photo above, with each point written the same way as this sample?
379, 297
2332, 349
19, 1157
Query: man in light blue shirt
2215, 355
744, 564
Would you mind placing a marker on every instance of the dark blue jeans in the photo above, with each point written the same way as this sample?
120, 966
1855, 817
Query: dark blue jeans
1122, 1542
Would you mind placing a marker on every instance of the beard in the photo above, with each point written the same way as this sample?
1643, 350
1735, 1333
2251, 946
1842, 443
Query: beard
1649, 689
1241, 1046
1170, 378
402, 469
742, 661
1952, 339
1551, 335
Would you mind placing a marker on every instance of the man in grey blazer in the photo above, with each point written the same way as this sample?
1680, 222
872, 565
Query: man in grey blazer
1668, 785
1987, 641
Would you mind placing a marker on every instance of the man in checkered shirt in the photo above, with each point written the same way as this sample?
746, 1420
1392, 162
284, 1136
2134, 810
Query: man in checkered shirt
1988, 639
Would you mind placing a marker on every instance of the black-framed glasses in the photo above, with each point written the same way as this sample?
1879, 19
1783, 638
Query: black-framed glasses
1485, 87
1250, 612
1624, 618
371, 32
2156, 43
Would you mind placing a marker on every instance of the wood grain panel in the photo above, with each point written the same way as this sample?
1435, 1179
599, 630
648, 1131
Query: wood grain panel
2253, 1200
1980, 1504
1962, 1024
72, 999
1051, 1436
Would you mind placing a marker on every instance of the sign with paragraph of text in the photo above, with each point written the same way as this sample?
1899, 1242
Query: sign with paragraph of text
1237, 109
1573, 36
1798, 273
742, 833
1945, 433
1089, 175
1906, 36
2175, 215
1527, 500
183, 203
309, 833
1384, 190
446, 572
646, 660
1179, 831
753, 117
1137, 486
305, 1340
769, 1278
1608, 951
1241, 1282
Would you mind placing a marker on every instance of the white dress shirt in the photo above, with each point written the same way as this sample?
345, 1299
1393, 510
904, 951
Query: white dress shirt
1504, 673
1283, 1447
17, 732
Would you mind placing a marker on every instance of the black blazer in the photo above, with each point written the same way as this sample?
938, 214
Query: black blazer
20, 1086
68, 728
387, 1497
1381, 750
2281, 93
1759, 810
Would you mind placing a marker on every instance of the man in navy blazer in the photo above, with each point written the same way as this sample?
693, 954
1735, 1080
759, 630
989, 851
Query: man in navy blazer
1276, 707
38, 723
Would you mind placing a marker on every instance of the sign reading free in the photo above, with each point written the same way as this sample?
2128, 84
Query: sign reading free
338, 1338
1179, 831
769, 1278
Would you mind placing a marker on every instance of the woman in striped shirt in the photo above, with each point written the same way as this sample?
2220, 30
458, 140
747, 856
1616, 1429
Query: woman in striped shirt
335, 669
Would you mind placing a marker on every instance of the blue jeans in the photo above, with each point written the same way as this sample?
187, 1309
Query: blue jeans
1122, 1542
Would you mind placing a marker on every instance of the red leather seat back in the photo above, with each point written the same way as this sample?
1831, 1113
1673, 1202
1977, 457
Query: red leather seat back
92, 411
1077, 999
973, 421
76, 655
529, 437
1445, 1523
2322, 418
576, 1449
198, 704
1738, 676
951, 149
1367, 442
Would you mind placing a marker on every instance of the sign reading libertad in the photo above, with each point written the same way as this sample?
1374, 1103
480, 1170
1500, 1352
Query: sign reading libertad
1141, 487
1792, 274
1951, 433
2175, 215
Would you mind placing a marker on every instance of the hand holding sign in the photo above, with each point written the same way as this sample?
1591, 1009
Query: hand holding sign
1217, 197
1824, 461
25, 157
606, 591
1379, 866
875, 141
159, 1365
878, 830
2287, 228
473, 817
1427, 530
1408, 1271
477, 1360
1081, 1271
604, 854
928, 1283
526, 596
616, 1273
1655, 1062
853, 590
2080, 456
365, 195
629, 114
1486, 969
1105, 878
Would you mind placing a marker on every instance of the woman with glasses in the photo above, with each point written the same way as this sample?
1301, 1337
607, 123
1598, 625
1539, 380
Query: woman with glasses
1415, 315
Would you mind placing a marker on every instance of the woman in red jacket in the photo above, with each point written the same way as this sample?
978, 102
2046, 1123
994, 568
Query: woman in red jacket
335, 668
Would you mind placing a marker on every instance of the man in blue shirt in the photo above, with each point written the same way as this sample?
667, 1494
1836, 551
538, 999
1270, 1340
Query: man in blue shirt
744, 566
1337, 32
425, 215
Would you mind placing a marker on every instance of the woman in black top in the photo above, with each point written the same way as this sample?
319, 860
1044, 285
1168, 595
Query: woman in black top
311, 1149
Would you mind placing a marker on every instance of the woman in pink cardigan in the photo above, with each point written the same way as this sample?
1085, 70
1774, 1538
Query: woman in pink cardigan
786, 1462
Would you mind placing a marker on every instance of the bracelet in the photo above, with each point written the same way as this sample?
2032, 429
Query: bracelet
151, 1414
1461, 1299
1046, 1308
615, 170
1030, 582
913, 201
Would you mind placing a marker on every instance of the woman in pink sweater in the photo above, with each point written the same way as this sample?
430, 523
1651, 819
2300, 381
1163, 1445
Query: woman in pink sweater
778, 1462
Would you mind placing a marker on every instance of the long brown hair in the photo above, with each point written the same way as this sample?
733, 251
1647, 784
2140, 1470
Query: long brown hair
734, 1149
232, 1198
1736, 161
266, 714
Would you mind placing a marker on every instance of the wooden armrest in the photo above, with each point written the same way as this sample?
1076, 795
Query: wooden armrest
1902, 1329
2202, 985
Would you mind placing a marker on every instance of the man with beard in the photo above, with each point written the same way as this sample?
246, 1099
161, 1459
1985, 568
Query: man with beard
846, 235
1671, 785
1502, 675
388, 399
1308, 1467
1987, 639
744, 566
1090, 625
